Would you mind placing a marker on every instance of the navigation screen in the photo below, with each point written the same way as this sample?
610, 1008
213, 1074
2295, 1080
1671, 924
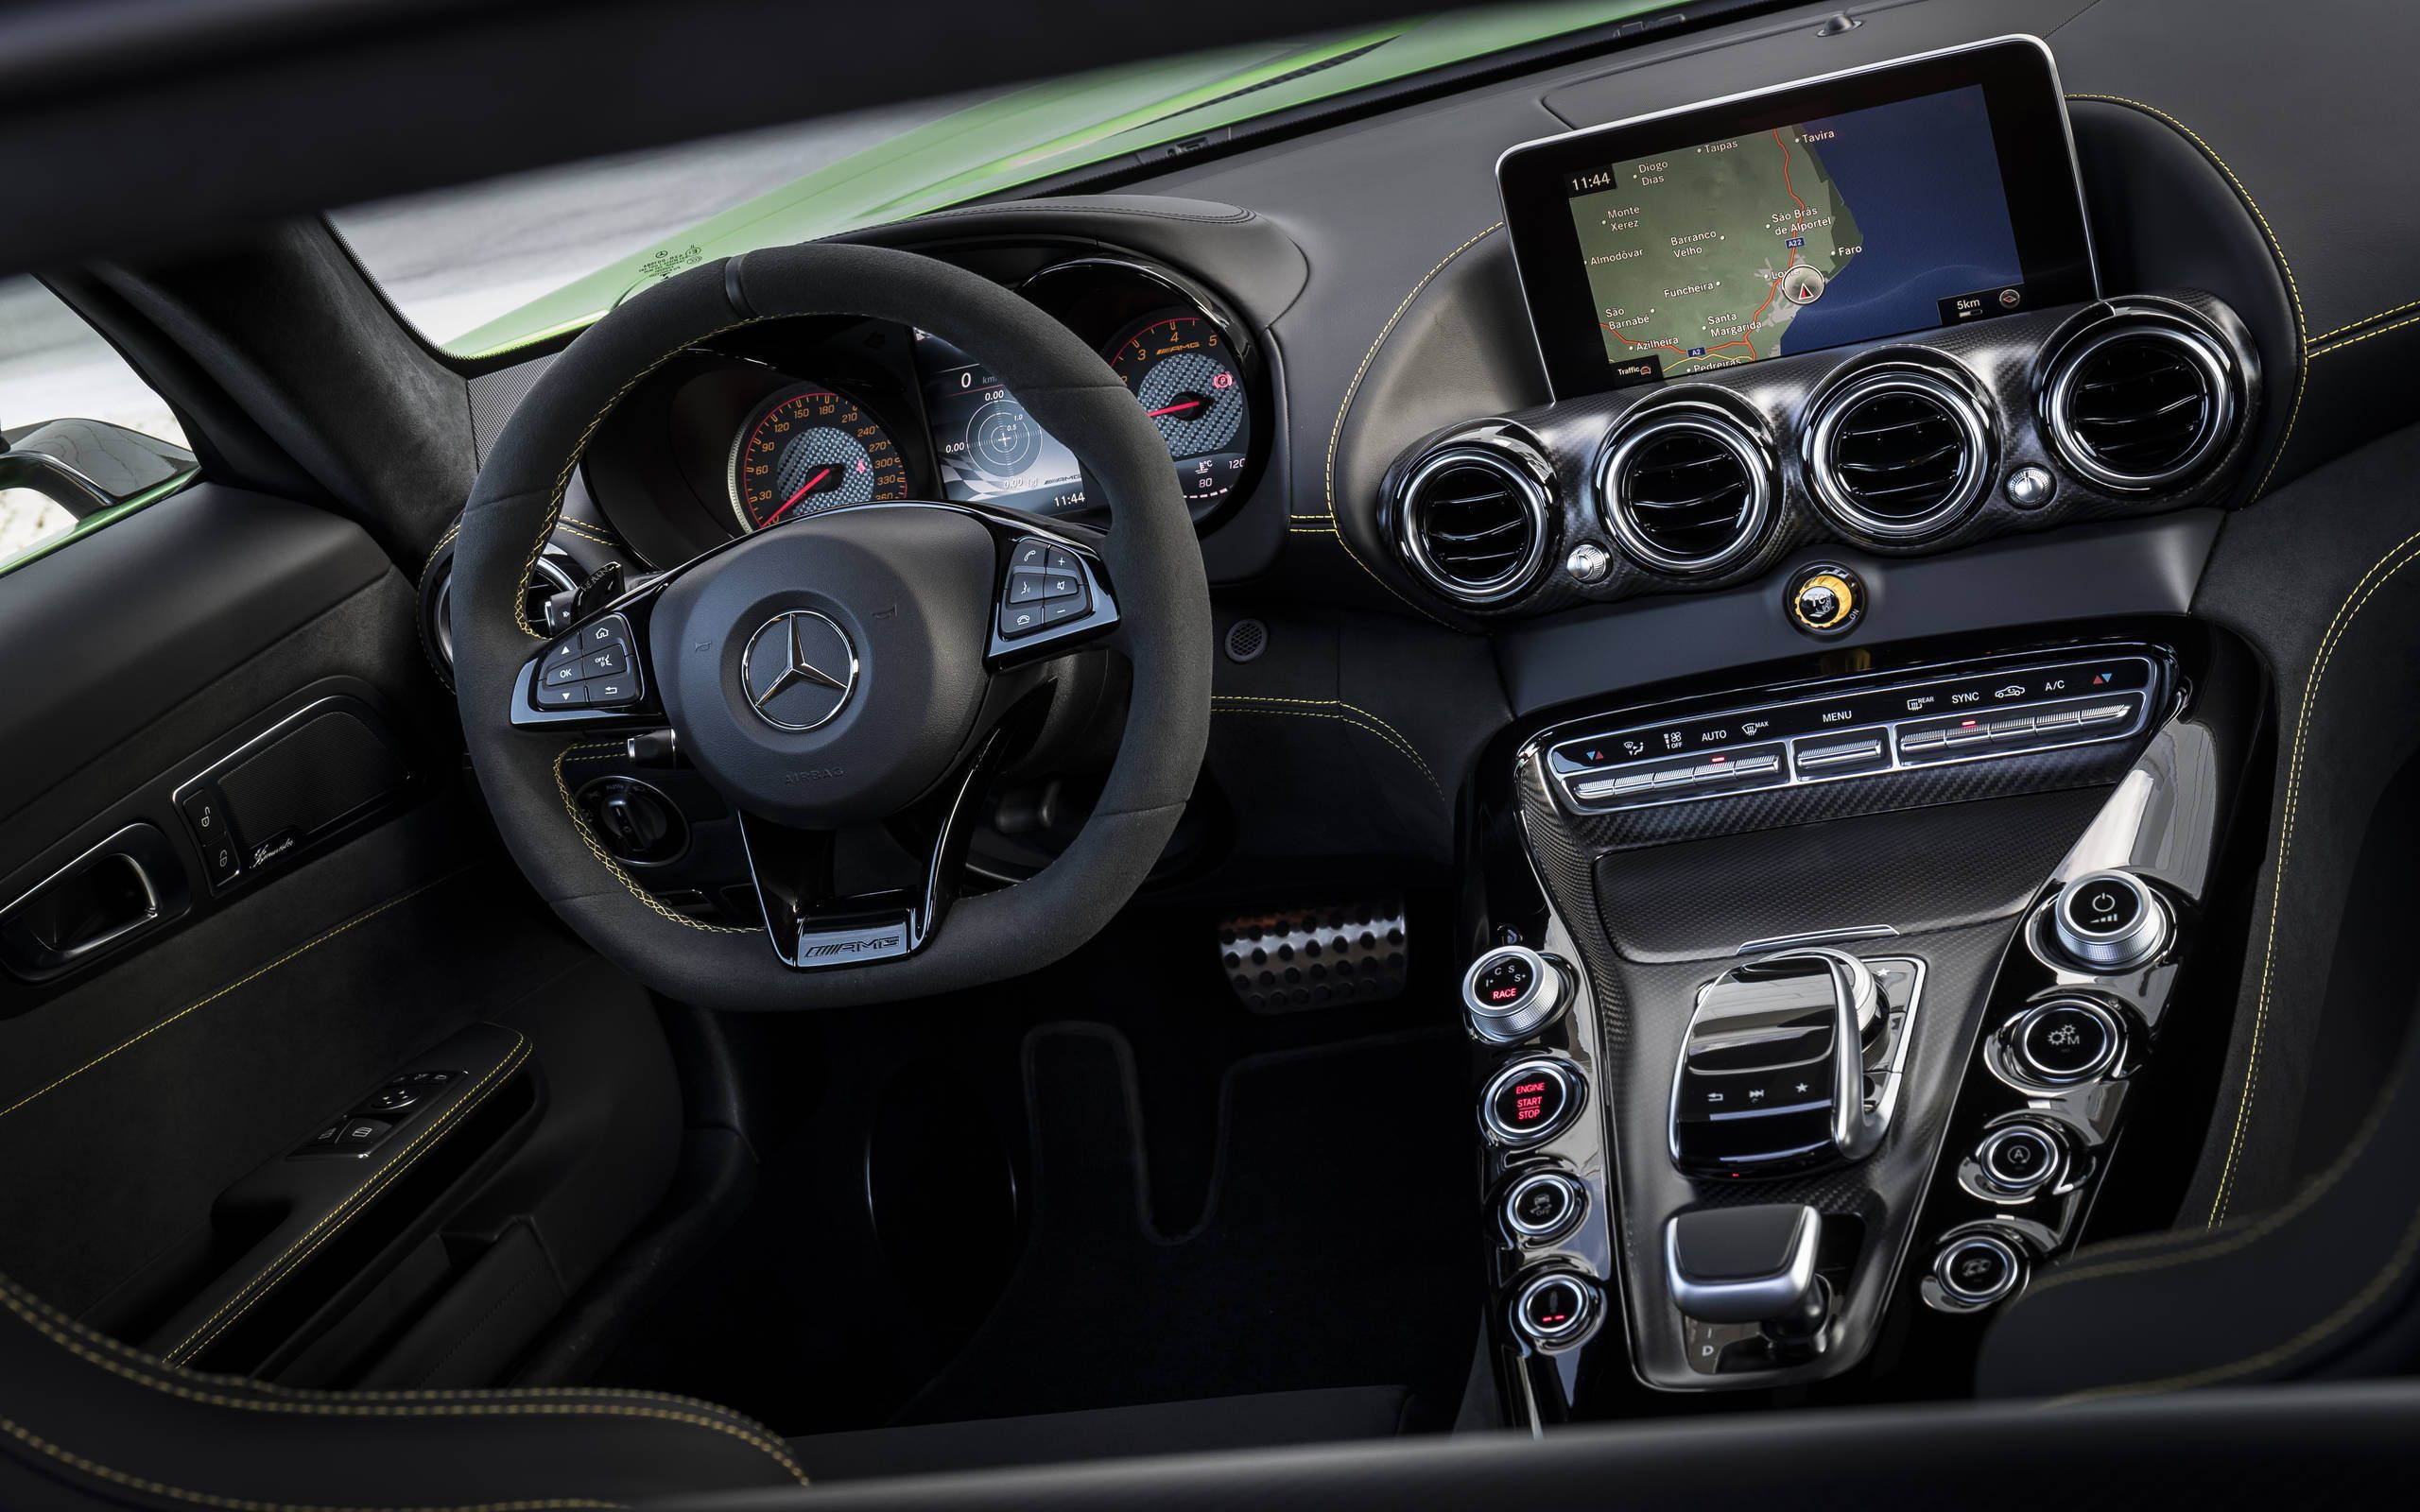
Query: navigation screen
1837, 230
1903, 199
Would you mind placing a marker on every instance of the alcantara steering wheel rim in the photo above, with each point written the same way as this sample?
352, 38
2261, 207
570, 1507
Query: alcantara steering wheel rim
1149, 559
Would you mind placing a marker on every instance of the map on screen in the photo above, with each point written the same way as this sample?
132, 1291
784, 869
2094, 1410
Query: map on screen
1866, 224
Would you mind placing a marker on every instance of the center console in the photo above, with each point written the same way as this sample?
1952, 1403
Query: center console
1789, 1076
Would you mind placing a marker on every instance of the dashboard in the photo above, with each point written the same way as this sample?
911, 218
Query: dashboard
777, 422
1679, 517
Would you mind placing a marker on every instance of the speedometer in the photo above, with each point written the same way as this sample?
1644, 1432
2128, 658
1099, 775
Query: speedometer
1183, 369
807, 450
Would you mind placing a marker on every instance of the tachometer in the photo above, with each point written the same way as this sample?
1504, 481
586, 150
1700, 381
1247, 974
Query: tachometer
808, 450
1183, 369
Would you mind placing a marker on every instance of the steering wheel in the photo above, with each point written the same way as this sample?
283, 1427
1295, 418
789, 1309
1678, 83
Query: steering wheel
870, 661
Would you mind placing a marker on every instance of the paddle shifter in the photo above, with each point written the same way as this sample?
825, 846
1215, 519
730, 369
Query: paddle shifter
1773, 1074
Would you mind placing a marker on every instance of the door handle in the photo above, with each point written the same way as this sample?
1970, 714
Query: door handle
127, 886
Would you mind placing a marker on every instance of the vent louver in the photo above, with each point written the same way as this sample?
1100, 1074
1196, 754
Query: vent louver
2138, 403
1473, 522
1685, 489
1898, 453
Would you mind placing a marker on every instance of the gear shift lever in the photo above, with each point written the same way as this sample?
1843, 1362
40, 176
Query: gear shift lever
1750, 1266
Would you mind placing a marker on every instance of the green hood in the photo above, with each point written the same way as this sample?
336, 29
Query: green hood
1044, 129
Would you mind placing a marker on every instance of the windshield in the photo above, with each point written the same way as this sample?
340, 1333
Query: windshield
484, 269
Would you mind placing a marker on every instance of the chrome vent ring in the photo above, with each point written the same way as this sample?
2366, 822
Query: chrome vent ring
2140, 400
1473, 519
1685, 488
1899, 452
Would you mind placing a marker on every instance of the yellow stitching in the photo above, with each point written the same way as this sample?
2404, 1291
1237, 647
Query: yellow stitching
80, 1341
1354, 388
2293, 290
2345, 613
2389, 1276
2247, 1235
451, 531
116, 1477
580, 447
2356, 341
240, 982
606, 859
395, 1165
2352, 325
1368, 722
584, 533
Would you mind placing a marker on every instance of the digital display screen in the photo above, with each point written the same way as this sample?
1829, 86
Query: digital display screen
989, 449
1820, 233
1900, 200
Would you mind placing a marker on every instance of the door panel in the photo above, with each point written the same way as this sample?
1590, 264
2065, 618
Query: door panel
149, 1094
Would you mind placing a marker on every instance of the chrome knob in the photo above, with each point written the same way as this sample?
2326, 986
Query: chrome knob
1512, 992
2109, 922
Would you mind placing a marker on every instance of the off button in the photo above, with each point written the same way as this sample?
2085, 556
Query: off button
1531, 1100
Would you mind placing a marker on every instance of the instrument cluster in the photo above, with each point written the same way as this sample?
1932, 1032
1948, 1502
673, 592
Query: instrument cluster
775, 423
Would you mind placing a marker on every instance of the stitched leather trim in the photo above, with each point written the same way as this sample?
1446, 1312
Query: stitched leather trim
243, 981
2294, 291
137, 1483
605, 857
2370, 583
443, 542
580, 449
2356, 325
2389, 1276
2355, 341
1360, 719
585, 532
333, 1221
1343, 408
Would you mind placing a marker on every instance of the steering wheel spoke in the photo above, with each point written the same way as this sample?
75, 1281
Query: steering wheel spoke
812, 926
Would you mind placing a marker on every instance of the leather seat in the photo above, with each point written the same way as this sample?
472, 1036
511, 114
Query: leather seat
2325, 1285
92, 1421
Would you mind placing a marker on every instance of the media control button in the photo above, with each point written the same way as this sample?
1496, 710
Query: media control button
1542, 1206
1531, 1100
2065, 1040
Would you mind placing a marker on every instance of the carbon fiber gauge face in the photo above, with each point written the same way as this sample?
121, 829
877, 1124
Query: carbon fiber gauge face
1182, 370
809, 450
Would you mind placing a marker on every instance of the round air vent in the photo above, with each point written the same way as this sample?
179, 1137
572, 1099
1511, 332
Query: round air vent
1471, 518
2140, 401
1685, 488
1899, 452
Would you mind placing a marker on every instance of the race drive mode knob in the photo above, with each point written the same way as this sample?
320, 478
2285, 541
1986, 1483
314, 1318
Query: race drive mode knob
1511, 993
2109, 922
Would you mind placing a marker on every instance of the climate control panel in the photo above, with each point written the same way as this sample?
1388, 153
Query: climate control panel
1953, 715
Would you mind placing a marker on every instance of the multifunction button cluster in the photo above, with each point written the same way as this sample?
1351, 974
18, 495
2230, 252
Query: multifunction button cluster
1901, 725
1045, 587
381, 1114
591, 668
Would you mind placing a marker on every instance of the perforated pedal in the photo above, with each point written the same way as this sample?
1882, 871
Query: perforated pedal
1297, 959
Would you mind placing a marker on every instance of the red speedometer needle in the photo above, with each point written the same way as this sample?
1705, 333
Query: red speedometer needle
804, 490
1171, 409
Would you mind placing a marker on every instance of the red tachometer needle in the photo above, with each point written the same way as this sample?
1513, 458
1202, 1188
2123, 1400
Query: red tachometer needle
1170, 410
804, 490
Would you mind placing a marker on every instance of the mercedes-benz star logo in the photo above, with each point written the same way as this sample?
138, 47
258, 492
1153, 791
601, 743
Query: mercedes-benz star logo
798, 670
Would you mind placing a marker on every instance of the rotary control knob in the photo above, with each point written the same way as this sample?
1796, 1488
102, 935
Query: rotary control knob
2109, 922
1511, 993
1555, 1309
1973, 1270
